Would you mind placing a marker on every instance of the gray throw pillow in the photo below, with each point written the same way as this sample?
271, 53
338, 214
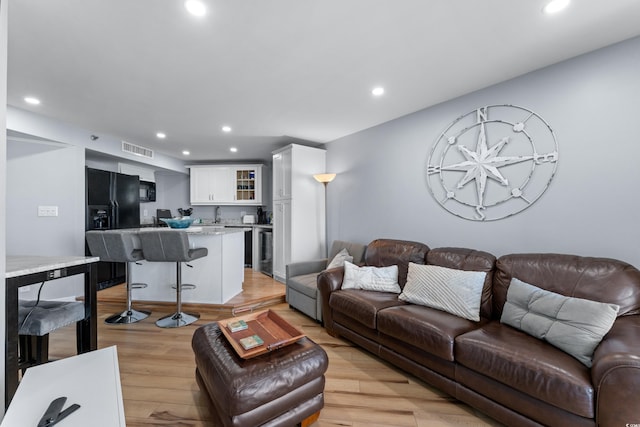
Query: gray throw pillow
368, 278
574, 325
457, 292
339, 259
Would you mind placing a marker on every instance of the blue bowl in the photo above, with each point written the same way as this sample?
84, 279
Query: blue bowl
178, 222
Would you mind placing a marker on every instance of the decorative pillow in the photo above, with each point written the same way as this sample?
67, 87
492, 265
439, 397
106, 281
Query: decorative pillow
340, 258
574, 325
381, 279
455, 291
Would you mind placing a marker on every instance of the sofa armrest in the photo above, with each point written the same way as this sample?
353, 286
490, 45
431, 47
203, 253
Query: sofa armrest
616, 374
305, 267
329, 281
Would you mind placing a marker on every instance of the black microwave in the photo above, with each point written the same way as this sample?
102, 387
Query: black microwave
147, 191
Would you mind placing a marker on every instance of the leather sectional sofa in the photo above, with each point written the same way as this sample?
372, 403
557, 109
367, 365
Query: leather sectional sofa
506, 373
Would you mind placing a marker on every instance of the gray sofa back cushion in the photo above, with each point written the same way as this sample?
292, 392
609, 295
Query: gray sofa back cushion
356, 250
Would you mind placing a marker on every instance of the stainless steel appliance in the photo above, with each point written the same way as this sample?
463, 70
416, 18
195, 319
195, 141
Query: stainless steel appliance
112, 201
265, 250
147, 191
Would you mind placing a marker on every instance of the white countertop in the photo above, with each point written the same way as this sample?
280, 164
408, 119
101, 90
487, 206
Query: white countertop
194, 229
21, 265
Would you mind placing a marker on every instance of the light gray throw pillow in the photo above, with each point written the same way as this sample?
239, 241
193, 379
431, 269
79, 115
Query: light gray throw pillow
457, 292
574, 325
381, 279
340, 258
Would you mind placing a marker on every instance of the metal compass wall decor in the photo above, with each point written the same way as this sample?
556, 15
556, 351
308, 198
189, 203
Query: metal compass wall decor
492, 162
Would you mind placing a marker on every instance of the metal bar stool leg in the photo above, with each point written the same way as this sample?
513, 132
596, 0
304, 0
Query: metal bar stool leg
179, 318
129, 315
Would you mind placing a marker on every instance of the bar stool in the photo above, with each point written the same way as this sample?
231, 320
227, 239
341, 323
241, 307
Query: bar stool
119, 246
171, 246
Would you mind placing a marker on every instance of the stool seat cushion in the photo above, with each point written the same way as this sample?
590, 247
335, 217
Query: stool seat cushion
114, 245
47, 316
272, 389
168, 246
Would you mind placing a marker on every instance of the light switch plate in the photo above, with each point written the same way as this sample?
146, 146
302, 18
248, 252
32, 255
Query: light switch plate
47, 211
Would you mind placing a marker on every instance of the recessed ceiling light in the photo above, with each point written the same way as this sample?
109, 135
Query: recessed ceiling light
233, 149
377, 91
226, 128
161, 135
31, 100
186, 152
196, 7
555, 6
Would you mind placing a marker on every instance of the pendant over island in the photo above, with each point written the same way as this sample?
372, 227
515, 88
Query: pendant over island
217, 277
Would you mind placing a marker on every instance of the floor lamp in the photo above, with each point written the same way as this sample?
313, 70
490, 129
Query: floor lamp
325, 178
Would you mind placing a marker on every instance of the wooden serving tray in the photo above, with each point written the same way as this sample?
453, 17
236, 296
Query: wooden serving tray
273, 329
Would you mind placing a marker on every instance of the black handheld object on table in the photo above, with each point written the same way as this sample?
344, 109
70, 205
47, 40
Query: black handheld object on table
54, 414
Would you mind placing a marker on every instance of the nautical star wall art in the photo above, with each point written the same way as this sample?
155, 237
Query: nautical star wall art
492, 162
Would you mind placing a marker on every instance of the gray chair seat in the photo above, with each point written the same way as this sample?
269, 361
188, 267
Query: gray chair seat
37, 321
301, 279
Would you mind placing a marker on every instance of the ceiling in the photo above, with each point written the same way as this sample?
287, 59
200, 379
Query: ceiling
279, 71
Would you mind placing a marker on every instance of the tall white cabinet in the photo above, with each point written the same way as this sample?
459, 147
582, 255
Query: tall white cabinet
298, 207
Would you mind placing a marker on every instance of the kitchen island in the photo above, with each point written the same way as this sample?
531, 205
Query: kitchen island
218, 277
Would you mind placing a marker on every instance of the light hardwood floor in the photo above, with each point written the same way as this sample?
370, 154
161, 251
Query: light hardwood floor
157, 369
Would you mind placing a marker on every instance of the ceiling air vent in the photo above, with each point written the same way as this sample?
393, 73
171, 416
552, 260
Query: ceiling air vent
128, 147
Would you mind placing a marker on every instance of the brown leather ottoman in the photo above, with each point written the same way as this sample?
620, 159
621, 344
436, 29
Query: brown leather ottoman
281, 388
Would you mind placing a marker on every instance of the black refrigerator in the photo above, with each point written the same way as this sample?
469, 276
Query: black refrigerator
113, 201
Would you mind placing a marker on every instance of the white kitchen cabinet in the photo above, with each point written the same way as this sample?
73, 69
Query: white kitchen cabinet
226, 184
281, 237
248, 185
282, 175
298, 207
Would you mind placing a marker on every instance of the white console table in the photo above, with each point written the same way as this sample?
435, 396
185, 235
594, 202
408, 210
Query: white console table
92, 380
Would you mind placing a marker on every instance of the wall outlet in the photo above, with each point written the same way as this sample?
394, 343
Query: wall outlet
47, 211
145, 213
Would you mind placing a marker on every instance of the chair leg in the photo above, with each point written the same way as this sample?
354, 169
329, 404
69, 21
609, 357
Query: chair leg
179, 318
42, 349
129, 315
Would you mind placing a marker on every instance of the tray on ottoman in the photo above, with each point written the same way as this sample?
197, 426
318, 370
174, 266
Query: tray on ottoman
272, 330
282, 388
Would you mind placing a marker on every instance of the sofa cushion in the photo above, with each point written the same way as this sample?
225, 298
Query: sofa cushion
362, 306
428, 329
340, 258
384, 252
574, 325
381, 279
455, 291
596, 279
469, 260
528, 365
306, 284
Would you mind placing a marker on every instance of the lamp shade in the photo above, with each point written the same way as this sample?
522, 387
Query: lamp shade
324, 177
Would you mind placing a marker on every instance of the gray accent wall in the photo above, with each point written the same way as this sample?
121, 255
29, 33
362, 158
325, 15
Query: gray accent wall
46, 174
592, 102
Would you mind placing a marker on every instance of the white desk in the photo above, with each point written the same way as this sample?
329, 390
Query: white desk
92, 380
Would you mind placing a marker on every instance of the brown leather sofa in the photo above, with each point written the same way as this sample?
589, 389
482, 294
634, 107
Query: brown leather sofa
509, 375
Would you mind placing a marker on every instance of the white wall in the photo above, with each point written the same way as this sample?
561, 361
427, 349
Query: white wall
592, 103
40, 126
3, 145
